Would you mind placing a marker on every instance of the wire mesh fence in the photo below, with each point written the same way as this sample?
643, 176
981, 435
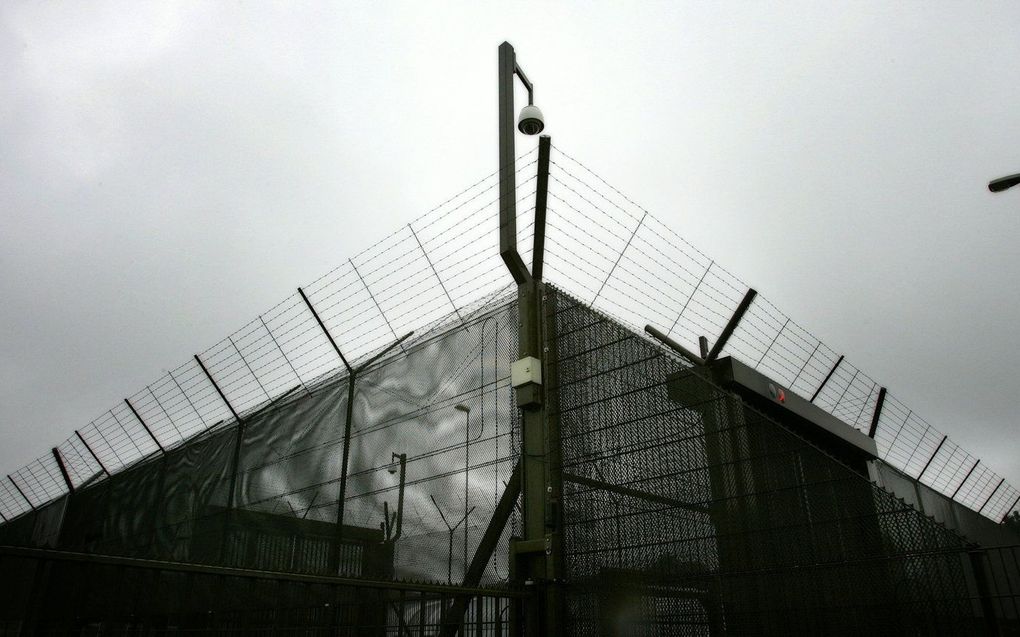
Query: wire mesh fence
131, 597
601, 247
687, 512
432, 444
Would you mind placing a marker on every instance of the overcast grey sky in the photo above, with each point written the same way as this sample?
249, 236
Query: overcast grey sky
169, 170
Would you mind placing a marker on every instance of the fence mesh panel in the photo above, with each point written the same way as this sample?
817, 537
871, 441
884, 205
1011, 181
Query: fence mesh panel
686, 512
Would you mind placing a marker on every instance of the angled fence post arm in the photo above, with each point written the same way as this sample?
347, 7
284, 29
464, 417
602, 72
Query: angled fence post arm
63, 470
20, 491
219, 391
878, 413
145, 426
731, 325
964, 481
92, 453
989, 498
322, 325
453, 615
927, 464
541, 197
826, 380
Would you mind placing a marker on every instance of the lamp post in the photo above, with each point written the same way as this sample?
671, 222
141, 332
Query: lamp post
536, 556
1004, 183
467, 470
529, 122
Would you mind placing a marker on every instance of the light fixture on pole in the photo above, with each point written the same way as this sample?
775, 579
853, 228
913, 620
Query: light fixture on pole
530, 122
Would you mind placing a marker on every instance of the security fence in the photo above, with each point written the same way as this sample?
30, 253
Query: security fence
366, 429
72, 593
686, 512
601, 247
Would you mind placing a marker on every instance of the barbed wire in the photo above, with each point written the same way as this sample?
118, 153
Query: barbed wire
602, 247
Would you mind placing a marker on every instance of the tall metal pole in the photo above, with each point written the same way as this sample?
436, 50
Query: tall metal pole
534, 557
508, 167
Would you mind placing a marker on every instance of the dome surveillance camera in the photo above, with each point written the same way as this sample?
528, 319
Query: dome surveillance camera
531, 121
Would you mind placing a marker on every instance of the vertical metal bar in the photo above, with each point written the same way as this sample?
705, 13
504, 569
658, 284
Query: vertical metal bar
989, 498
352, 377
436, 272
508, 167
1011, 507
165, 413
93, 453
187, 398
731, 325
126, 434
250, 370
804, 366
231, 494
900, 430
323, 325
145, 426
20, 491
960, 486
344, 467
63, 470
978, 567
688, 301
372, 296
618, 259
217, 388
927, 464
703, 347
846, 389
769, 349
878, 413
827, 377
284, 354
864, 403
913, 451
541, 194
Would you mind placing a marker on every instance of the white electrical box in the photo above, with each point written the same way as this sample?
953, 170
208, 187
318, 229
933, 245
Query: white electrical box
527, 371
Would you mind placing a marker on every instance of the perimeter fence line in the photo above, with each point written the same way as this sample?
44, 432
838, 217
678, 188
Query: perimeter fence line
601, 246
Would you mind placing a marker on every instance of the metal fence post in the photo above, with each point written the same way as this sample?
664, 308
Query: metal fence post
960, 486
239, 432
827, 377
63, 470
145, 426
731, 325
93, 453
20, 491
878, 413
927, 464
